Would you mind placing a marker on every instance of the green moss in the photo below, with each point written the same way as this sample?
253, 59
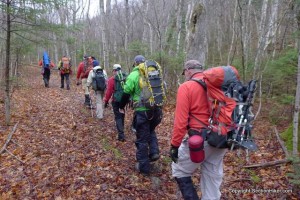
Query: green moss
108, 147
287, 137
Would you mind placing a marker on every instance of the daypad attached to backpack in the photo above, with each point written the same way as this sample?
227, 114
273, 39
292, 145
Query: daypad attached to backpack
99, 82
120, 79
230, 108
152, 85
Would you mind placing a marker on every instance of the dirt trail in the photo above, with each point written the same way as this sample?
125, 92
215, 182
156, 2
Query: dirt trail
68, 154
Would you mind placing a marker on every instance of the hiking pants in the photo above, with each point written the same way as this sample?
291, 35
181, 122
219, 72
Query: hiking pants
99, 104
146, 139
62, 79
46, 76
211, 169
119, 119
84, 86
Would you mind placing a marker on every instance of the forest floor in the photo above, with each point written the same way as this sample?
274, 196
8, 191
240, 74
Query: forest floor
62, 152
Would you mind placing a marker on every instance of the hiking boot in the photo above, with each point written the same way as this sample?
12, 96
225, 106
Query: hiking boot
137, 168
68, 87
62, 86
122, 139
87, 100
154, 157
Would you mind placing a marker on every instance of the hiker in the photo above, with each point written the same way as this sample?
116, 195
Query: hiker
114, 91
97, 79
83, 71
64, 67
46, 65
146, 120
191, 107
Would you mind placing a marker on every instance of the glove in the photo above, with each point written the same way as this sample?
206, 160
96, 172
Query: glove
106, 105
174, 153
78, 83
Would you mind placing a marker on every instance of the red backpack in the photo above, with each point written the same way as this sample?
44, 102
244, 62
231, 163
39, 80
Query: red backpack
230, 106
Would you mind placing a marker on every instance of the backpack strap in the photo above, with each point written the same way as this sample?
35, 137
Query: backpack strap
215, 110
202, 83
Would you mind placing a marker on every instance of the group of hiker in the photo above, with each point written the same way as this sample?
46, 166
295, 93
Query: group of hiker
144, 88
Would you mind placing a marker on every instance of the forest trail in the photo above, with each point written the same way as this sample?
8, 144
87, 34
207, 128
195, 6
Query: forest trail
68, 154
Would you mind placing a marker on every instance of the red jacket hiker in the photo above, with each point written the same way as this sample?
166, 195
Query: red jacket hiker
190, 95
110, 89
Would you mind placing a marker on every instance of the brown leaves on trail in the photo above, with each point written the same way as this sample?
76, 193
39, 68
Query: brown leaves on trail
70, 155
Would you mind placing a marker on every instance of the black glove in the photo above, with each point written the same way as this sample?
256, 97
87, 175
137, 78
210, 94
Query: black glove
174, 153
106, 105
124, 100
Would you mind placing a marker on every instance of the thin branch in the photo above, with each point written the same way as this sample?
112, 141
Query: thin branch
14, 156
268, 164
8, 138
281, 143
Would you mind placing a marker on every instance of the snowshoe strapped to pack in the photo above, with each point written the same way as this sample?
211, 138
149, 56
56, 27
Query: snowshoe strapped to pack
152, 85
230, 105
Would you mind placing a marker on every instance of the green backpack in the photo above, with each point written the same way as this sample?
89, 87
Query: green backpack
120, 79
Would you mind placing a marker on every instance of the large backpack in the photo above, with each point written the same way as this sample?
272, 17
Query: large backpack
65, 63
46, 60
120, 79
99, 82
230, 104
152, 85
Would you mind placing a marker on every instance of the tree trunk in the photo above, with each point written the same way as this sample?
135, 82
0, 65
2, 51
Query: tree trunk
7, 64
102, 21
297, 98
229, 58
196, 39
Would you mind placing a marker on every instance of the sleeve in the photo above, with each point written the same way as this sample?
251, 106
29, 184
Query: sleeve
130, 83
79, 71
181, 116
110, 89
52, 64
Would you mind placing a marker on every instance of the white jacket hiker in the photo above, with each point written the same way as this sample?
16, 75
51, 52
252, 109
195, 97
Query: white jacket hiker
99, 94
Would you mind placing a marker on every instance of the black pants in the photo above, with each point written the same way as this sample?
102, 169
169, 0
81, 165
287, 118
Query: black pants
62, 80
146, 139
46, 76
119, 119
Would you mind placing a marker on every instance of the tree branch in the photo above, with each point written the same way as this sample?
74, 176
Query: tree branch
7, 141
8, 138
268, 164
281, 143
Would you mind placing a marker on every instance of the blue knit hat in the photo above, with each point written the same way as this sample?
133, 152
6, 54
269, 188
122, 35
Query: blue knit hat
96, 63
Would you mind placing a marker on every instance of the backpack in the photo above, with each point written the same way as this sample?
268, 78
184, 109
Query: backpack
46, 60
65, 63
230, 104
152, 85
120, 79
99, 82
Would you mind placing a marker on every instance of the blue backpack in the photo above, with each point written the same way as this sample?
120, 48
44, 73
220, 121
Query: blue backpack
46, 60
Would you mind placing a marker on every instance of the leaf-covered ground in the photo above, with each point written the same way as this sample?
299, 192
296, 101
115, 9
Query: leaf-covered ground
68, 154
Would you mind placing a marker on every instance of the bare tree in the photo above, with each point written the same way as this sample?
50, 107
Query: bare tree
197, 41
